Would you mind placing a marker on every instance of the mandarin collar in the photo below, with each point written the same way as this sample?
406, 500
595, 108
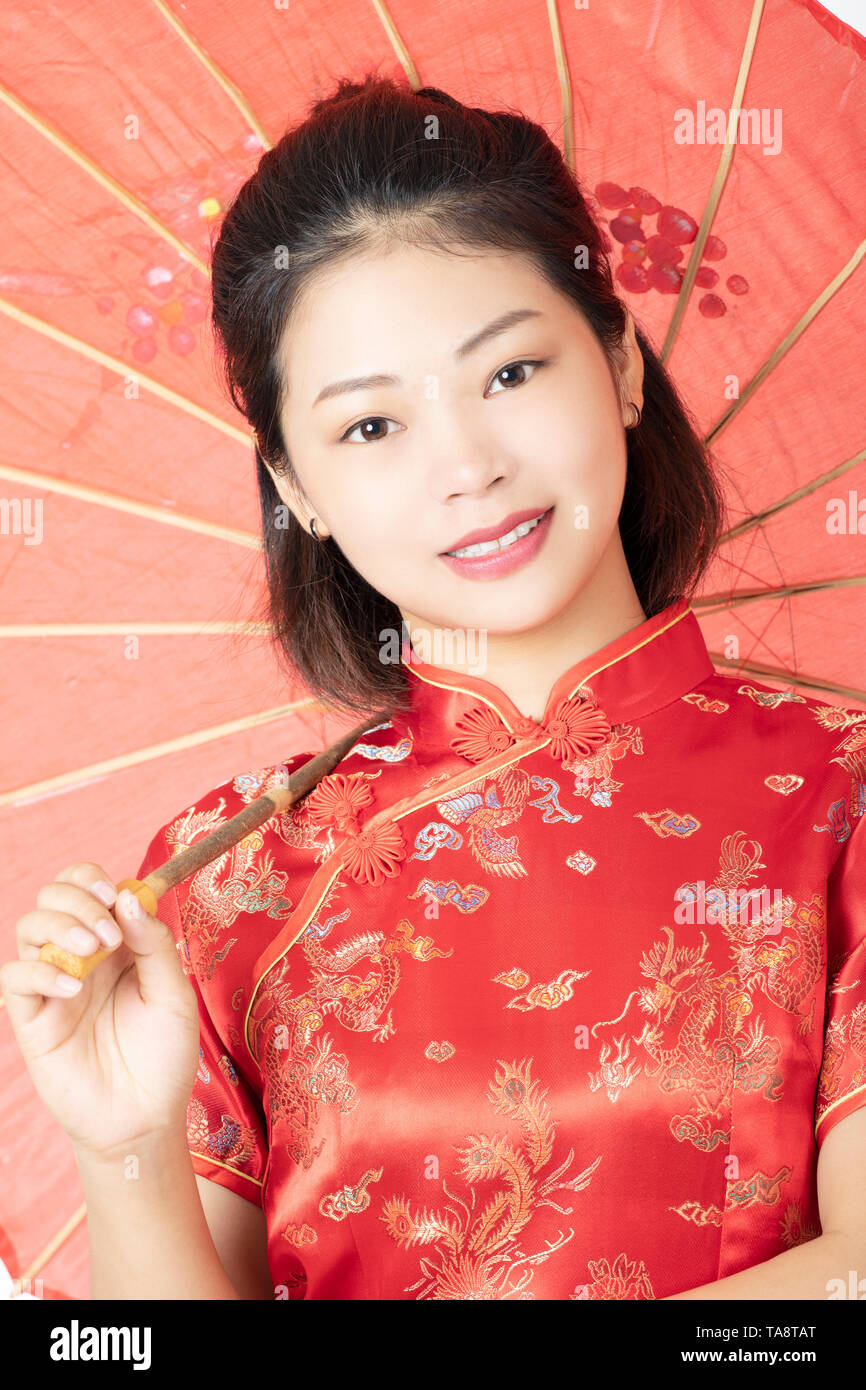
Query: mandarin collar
638, 672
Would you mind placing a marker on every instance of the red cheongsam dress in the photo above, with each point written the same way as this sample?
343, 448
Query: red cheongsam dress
562, 1010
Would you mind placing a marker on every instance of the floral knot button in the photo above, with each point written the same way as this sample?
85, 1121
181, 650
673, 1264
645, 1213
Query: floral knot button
372, 852
337, 799
575, 727
482, 735
375, 852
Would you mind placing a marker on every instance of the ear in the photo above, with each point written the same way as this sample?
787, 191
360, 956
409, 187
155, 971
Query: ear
631, 373
292, 497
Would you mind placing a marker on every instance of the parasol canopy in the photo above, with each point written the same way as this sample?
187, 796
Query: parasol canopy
722, 147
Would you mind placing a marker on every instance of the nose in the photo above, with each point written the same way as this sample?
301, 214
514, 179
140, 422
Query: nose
467, 466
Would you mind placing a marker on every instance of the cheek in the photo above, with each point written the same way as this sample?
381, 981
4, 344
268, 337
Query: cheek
592, 494
568, 429
370, 525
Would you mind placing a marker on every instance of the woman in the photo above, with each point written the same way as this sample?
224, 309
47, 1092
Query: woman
527, 999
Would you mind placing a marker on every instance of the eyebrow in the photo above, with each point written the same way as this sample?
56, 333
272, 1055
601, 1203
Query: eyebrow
491, 330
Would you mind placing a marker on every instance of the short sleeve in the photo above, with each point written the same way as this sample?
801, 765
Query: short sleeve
226, 1128
842, 1079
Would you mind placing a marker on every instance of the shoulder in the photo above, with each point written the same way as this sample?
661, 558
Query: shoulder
226, 800
809, 725
229, 906
809, 753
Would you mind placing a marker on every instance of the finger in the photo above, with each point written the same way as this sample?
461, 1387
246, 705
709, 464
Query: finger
160, 975
76, 901
25, 984
92, 877
42, 925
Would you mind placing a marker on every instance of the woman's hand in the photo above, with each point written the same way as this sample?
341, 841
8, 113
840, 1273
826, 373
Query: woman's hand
113, 1057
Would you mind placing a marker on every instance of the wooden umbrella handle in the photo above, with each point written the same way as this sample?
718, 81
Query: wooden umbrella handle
182, 866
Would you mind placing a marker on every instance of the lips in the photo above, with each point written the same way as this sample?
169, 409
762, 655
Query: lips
495, 562
492, 533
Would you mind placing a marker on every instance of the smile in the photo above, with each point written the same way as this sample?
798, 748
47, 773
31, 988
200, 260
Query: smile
488, 547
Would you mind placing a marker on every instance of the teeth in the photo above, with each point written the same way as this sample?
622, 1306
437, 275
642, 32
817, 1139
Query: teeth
487, 547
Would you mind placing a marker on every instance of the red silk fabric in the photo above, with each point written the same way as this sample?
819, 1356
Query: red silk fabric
510, 1009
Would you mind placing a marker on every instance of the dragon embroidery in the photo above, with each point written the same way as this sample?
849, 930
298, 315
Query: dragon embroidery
479, 1253
301, 1069
695, 1038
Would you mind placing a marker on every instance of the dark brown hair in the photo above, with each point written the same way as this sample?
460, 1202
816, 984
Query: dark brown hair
359, 173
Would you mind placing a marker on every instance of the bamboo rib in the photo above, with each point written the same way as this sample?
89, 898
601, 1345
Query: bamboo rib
397, 44
65, 781
207, 628
123, 369
757, 518
564, 77
725, 603
102, 177
716, 188
233, 92
131, 505
787, 342
59, 1238
754, 668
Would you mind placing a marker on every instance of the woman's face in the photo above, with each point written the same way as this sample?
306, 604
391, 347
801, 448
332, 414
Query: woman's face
400, 471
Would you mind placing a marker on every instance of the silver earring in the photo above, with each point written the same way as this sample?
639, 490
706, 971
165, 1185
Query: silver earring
636, 408
313, 531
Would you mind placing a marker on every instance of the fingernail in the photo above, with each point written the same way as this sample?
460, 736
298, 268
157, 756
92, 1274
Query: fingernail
108, 932
80, 940
104, 892
68, 984
131, 906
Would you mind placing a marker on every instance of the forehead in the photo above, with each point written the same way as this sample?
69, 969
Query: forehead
403, 311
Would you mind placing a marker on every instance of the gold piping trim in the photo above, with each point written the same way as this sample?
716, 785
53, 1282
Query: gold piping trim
757, 517
51, 483
336, 861
445, 685
636, 648
397, 44
233, 92
82, 775
206, 1158
59, 1238
102, 177
841, 1101
787, 342
717, 186
752, 668
134, 629
719, 603
564, 79
124, 369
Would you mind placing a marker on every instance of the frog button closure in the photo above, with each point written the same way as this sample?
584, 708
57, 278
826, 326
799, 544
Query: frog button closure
372, 852
575, 727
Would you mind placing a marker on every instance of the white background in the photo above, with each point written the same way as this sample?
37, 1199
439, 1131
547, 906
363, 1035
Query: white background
853, 12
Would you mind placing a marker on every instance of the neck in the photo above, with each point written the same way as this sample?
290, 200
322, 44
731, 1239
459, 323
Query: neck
526, 664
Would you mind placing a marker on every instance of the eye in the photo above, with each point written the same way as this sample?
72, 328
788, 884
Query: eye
368, 420
513, 366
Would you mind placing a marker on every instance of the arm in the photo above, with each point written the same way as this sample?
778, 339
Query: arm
240, 1235
799, 1273
148, 1235
805, 1271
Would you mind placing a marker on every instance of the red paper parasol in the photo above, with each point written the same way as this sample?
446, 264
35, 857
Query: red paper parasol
134, 676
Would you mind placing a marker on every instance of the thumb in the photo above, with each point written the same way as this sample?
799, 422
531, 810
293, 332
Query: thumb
160, 974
